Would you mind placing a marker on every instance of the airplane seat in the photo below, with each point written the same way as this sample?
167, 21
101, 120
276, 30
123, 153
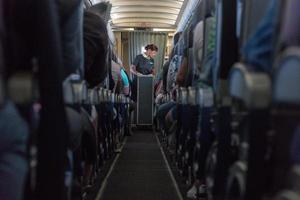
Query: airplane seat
190, 70
192, 109
287, 75
251, 92
181, 134
292, 191
225, 39
286, 113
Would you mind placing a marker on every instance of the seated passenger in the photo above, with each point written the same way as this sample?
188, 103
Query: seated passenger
162, 113
181, 80
182, 71
71, 17
169, 77
258, 52
120, 79
116, 76
160, 90
173, 68
71, 26
169, 110
125, 81
89, 148
290, 27
165, 74
121, 86
95, 48
198, 45
95, 71
203, 51
158, 83
204, 55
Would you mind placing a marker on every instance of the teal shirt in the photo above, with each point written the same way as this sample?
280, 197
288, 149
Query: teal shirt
124, 78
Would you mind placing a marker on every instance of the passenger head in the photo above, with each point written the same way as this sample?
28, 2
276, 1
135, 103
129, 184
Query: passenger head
210, 8
151, 50
95, 48
176, 37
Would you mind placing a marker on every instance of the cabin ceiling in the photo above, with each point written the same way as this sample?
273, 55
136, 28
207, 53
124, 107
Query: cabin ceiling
146, 13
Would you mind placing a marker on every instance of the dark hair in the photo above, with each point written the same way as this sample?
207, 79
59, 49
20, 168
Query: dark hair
210, 8
176, 37
152, 47
95, 48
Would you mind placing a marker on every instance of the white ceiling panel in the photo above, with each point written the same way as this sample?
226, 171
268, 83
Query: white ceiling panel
137, 9
142, 24
146, 20
164, 3
116, 16
146, 13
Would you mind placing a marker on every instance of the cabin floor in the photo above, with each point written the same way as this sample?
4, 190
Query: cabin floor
141, 172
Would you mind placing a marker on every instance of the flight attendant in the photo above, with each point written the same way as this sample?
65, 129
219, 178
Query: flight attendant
143, 64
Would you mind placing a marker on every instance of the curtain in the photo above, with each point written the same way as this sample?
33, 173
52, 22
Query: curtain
139, 39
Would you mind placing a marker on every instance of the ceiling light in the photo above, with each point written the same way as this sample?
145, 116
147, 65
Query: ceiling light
163, 30
123, 29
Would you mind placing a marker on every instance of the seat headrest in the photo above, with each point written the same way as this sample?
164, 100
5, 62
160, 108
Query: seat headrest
287, 77
209, 8
176, 38
198, 43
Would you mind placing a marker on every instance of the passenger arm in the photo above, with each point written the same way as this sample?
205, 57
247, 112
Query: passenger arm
126, 90
182, 72
153, 71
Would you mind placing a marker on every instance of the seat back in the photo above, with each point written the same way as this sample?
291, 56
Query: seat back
290, 25
71, 23
172, 72
209, 50
190, 72
204, 40
226, 39
198, 45
287, 70
287, 78
209, 36
2, 93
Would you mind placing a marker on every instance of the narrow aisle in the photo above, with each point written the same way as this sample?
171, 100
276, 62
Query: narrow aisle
140, 172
